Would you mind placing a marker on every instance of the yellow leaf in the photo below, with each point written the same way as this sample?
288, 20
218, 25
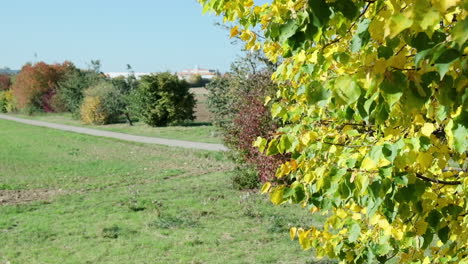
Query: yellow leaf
426, 260
368, 164
375, 30
443, 5
308, 177
380, 66
357, 216
383, 162
234, 32
292, 232
301, 57
266, 187
427, 129
398, 23
341, 213
304, 240
398, 61
246, 35
420, 227
397, 233
276, 196
424, 160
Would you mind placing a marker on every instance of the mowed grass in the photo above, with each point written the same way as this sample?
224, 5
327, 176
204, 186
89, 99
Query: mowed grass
198, 132
98, 200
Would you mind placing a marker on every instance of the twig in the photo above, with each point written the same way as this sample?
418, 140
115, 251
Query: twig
437, 181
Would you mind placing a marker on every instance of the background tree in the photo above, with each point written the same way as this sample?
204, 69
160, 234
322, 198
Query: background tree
127, 86
373, 102
36, 86
71, 88
5, 82
163, 99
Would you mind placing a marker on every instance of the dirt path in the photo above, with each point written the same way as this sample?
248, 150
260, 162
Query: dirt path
122, 136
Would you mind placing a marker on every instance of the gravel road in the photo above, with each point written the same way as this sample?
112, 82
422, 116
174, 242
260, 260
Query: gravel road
122, 136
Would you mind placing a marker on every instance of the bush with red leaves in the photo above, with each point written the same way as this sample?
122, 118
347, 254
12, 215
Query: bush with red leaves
36, 86
237, 101
5, 82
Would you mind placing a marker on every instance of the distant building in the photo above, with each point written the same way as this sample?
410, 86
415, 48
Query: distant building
204, 73
126, 74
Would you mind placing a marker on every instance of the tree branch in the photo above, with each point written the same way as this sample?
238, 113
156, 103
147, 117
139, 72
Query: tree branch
420, 176
351, 27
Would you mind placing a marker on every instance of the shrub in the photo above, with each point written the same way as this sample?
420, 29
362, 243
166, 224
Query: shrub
127, 87
36, 86
221, 98
252, 119
93, 111
103, 104
236, 101
5, 82
164, 99
6, 101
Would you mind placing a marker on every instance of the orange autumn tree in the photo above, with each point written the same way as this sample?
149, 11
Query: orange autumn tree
36, 85
373, 102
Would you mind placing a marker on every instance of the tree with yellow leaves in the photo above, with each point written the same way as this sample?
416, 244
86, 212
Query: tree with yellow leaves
373, 100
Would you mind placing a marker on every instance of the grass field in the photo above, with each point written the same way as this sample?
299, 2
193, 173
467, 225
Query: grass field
71, 198
199, 132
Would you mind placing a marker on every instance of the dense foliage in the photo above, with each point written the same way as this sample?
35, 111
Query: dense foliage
7, 103
5, 82
374, 105
36, 86
236, 101
71, 87
163, 99
103, 104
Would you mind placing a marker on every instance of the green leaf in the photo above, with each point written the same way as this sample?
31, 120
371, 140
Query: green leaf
315, 93
393, 86
320, 11
347, 89
443, 234
422, 42
260, 143
285, 144
399, 23
460, 137
362, 35
346, 7
460, 33
299, 194
288, 30
384, 52
354, 232
272, 148
390, 151
448, 56
434, 218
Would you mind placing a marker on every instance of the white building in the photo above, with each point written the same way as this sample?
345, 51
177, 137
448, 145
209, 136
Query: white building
126, 74
204, 73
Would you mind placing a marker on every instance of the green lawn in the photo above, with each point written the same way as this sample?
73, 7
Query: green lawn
71, 198
198, 132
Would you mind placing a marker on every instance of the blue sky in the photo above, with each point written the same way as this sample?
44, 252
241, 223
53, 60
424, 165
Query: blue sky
150, 35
